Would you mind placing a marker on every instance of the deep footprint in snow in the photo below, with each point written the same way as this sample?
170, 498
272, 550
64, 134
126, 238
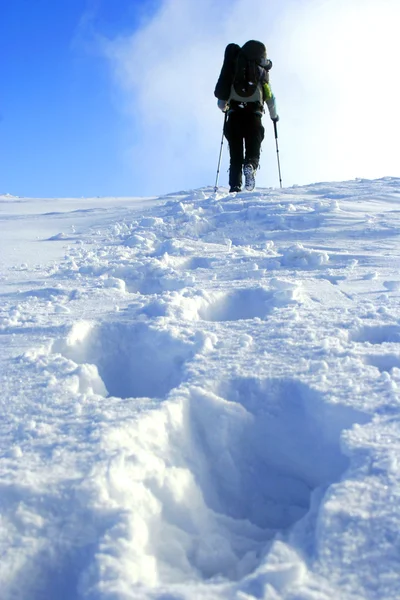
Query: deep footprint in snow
269, 447
383, 362
377, 334
133, 360
250, 303
239, 304
238, 465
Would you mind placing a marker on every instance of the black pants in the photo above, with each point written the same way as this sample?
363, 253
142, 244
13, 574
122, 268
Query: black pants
243, 126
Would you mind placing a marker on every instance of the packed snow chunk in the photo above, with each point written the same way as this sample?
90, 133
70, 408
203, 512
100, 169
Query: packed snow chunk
245, 303
151, 222
89, 380
287, 291
151, 277
133, 360
198, 262
283, 569
377, 334
298, 256
75, 345
113, 282
266, 460
172, 246
140, 242
321, 206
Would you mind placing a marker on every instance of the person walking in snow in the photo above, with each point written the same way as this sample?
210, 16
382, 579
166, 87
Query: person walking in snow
242, 89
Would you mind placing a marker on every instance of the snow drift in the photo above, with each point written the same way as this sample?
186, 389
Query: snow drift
200, 395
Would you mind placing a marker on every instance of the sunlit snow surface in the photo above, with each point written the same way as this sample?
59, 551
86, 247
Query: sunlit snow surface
200, 395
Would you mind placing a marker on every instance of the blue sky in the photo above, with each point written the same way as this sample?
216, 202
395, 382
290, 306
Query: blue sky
108, 97
61, 130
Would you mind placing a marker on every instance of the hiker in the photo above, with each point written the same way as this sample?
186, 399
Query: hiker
242, 89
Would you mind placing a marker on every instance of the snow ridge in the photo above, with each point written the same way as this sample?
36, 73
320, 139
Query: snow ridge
201, 400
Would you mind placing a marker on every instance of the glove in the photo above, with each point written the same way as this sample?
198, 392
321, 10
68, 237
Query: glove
275, 119
223, 105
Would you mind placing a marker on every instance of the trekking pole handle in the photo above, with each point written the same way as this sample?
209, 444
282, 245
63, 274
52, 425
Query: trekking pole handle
276, 129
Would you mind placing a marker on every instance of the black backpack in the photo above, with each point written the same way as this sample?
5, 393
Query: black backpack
251, 72
241, 72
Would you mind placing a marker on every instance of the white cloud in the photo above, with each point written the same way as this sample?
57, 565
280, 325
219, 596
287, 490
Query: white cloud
334, 76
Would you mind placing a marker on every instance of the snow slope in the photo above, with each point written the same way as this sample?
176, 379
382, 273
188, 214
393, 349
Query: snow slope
200, 395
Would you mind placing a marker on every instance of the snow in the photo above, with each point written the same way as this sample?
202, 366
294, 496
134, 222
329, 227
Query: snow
200, 395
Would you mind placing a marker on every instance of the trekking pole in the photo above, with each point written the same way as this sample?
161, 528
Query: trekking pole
277, 152
220, 153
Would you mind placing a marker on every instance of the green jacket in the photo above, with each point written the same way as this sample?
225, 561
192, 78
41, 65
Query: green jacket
269, 100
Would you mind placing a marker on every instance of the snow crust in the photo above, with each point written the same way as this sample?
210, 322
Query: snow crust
200, 395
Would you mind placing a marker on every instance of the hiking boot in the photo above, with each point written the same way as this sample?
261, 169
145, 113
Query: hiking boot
235, 188
249, 177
